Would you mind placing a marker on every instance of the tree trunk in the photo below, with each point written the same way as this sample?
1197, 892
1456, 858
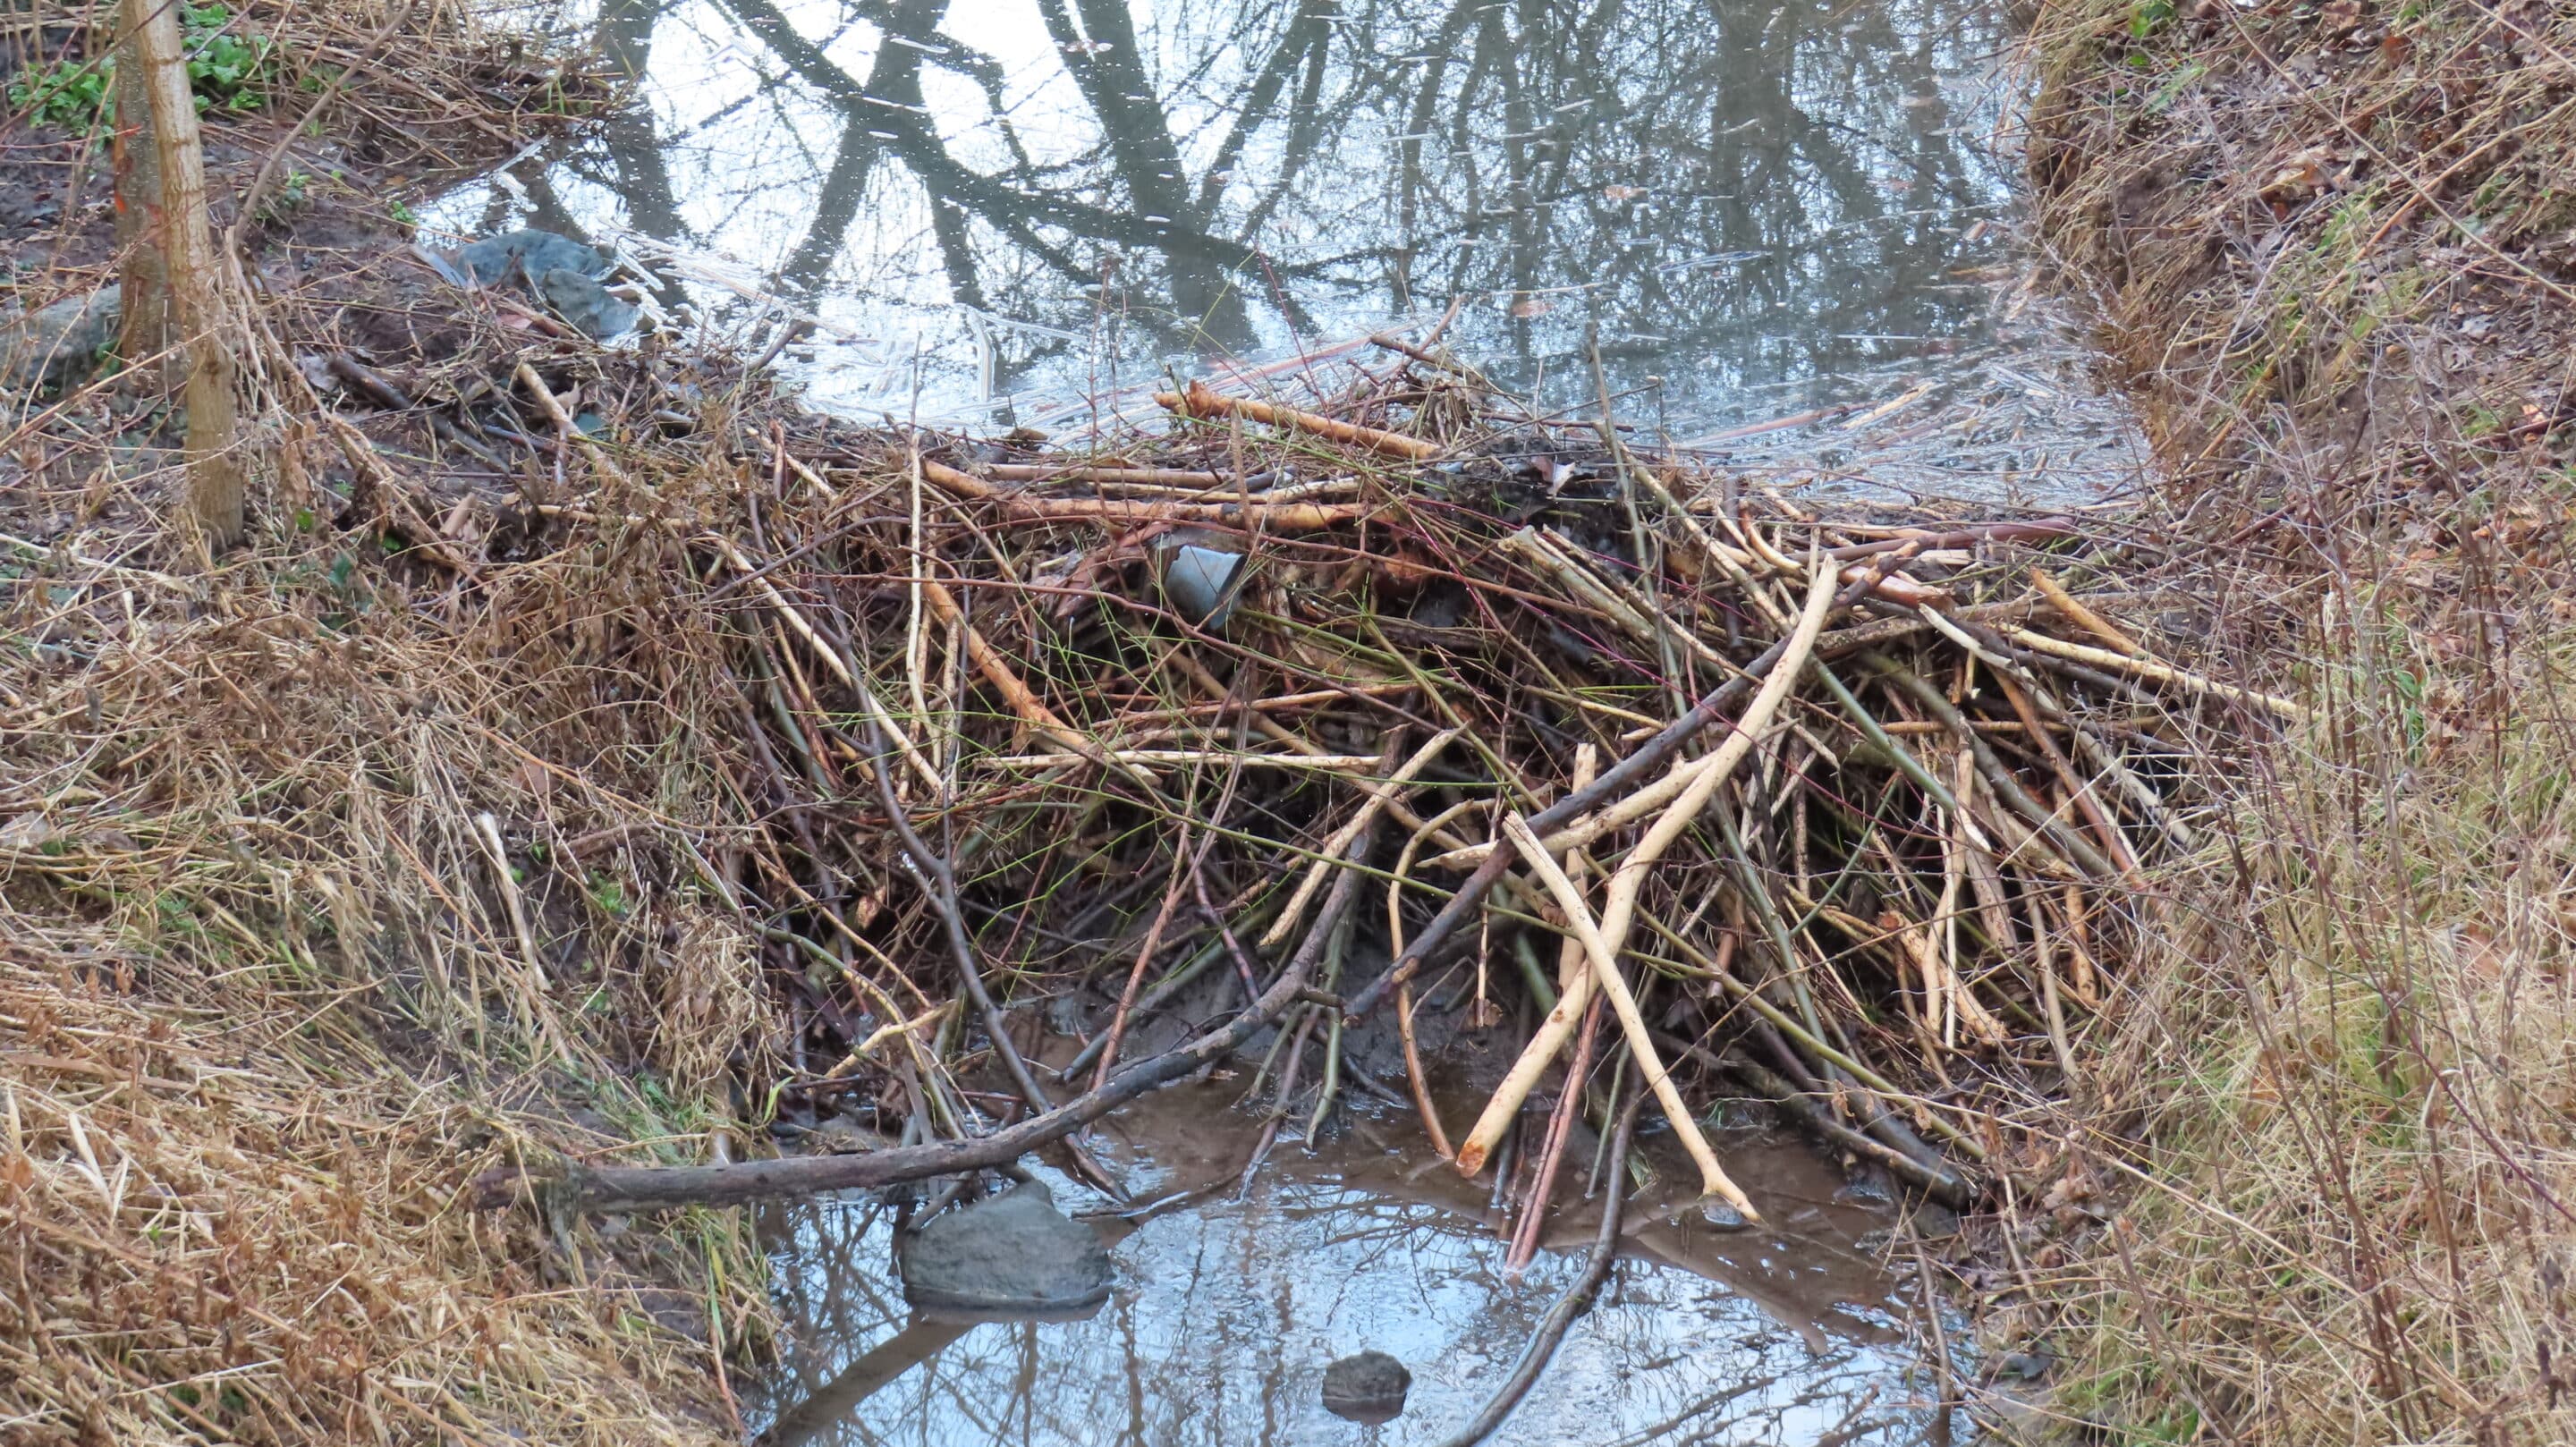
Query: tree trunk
144, 295
194, 271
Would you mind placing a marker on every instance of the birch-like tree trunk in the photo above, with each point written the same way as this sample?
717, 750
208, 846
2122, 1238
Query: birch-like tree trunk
194, 271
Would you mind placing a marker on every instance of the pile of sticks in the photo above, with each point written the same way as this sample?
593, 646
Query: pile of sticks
1853, 813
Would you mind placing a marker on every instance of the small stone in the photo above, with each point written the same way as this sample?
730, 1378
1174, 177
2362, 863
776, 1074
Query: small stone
1719, 1216
2027, 1366
1366, 1387
1869, 1185
55, 346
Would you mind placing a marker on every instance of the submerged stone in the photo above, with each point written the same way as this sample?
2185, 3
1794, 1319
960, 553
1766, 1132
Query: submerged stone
1366, 1387
1719, 1216
1011, 1257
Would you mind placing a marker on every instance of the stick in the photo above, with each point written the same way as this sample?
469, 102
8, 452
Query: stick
1027, 705
1305, 517
1379, 794
1199, 401
2150, 668
1605, 971
935, 870
1649, 756
2083, 617
634, 1188
555, 413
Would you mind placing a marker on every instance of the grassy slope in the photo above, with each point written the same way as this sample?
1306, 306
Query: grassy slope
263, 1005
2333, 244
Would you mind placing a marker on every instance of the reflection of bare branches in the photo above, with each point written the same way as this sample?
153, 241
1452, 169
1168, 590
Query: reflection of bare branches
1356, 151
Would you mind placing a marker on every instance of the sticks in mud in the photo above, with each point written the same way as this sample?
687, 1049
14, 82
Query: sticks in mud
1875, 871
1577, 1299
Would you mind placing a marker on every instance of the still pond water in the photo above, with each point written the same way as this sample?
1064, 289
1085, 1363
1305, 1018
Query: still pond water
1228, 1306
1028, 212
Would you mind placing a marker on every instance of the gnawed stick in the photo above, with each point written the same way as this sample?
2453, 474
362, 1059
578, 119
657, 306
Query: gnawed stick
1024, 703
2083, 617
1379, 794
1605, 973
1200, 401
1619, 907
1651, 755
1574, 995
2159, 672
1279, 517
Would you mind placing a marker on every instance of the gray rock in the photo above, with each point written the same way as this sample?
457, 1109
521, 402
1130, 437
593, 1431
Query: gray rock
1366, 1387
585, 303
523, 256
1719, 1216
1011, 1257
1869, 1185
1934, 1221
57, 346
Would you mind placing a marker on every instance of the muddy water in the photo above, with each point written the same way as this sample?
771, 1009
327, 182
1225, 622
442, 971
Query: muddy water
1028, 211
1227, 1309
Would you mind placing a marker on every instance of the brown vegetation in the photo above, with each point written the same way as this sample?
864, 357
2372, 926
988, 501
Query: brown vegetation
2325, 1191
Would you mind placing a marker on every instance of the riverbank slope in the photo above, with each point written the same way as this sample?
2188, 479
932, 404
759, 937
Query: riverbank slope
2332, 245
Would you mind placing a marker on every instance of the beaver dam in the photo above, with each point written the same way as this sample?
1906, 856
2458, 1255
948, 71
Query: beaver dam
1336, 835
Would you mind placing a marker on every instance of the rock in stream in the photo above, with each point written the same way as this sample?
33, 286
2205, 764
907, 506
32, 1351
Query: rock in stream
1011, 1257
1366, 1387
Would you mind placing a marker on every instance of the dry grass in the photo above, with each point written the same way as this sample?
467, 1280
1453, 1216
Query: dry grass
261, 995
2335, 1142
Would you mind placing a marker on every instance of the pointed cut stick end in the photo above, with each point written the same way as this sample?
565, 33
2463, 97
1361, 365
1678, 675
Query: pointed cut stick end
1471, 1158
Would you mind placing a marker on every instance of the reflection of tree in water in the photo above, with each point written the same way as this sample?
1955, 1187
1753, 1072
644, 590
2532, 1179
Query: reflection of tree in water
1243, 170
1226, 1314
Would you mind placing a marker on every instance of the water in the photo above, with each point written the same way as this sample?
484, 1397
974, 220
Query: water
1226, 1312
1028, 211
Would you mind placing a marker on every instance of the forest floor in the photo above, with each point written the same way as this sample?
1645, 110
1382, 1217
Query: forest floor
2335, 1139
